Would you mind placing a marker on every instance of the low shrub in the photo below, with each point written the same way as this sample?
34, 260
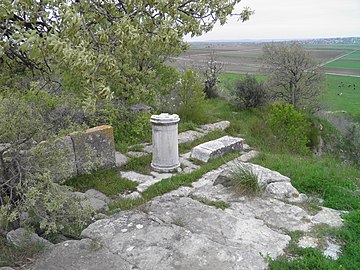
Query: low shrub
250, 93
291, 127
191, 98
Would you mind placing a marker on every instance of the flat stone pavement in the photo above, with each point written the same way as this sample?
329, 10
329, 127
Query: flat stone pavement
180, 230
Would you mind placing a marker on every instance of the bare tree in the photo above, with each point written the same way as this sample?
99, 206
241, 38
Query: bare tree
294, 75
212, 72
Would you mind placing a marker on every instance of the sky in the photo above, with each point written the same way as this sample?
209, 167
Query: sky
291, 19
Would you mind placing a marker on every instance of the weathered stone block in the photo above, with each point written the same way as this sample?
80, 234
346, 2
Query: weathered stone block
94, 149
216, 148
66, 166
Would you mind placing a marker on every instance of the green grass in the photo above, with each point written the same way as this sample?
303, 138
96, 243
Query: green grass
245, 183
107, 181
344, 64
228, 80
139, 164
169, 184
349, 100
217, 204
334, 181
353, 56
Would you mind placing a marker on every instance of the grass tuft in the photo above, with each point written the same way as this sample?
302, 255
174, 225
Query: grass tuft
245, 183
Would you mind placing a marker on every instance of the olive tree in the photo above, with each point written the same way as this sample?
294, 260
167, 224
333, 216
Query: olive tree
108, 47
294, 75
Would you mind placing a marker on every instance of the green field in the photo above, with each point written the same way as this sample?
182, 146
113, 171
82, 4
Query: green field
345, 64
353, 56
349, 100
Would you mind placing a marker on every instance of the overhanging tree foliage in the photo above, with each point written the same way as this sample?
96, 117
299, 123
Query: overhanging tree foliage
294, 75
107, 46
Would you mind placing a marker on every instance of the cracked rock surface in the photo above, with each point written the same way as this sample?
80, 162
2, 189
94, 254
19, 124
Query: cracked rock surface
180, 231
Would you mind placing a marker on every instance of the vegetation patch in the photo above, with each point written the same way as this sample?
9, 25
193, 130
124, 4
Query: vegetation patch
139, 164
245, 183
106, 181
14, 256
336, 182
218, 204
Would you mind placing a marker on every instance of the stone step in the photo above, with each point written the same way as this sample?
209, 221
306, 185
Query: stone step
216, 148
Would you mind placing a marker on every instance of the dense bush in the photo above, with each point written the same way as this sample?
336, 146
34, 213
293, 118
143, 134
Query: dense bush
191, 98
290, 126
250, 93
28, 196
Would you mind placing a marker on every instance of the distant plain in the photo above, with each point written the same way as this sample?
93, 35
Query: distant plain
340, 63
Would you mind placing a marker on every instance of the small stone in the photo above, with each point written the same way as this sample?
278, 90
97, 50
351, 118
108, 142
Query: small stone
139, 226
222, 125
308, 242
136, 154
124, 230
97, 194
132, 196
333, 251
20, 237
189, 136
328, 216
247, 156
121, 159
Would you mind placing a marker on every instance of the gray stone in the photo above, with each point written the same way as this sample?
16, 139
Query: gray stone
6, 268
308, 242
247, 156
332, 251
161, 176
265, 176
181, 233
246, 147
94, 149
328, 216
97, 194
222, 125
132, 196
148, 149
87, 201
165, 154
144, 180
136, 177
21, 237
84, 254
282, 190
120, 159
136, 154
189, 136
216, 148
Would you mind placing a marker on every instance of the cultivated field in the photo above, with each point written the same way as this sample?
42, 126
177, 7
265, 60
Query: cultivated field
341, 63
339, 59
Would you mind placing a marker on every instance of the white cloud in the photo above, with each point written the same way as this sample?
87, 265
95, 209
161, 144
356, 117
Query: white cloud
277, 19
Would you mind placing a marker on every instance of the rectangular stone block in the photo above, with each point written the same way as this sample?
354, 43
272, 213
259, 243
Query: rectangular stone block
57, 157
94, 149
216, 148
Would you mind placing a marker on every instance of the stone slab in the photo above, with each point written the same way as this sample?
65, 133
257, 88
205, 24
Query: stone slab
189, 136
222, 125
216, 148
248, 156
94, 149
